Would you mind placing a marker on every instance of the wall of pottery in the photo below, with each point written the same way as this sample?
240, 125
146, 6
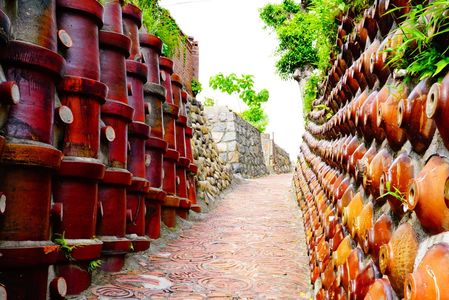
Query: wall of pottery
372, 181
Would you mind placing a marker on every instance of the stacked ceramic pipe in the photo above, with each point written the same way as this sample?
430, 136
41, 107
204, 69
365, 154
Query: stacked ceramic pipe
32, 69
65, 172
171, 157
372, 181
155, 146
117, 113
139, 132
81, 171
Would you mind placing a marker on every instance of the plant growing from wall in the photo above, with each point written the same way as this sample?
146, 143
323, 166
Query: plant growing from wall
196, 87
157, 21
64, 245
306, 32
423, 52
396, 193
93, 265
243, 86
311, 91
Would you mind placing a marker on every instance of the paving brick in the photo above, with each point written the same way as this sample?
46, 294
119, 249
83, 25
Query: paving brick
251, 246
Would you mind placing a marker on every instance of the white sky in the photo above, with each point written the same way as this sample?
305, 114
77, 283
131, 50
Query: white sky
232, 39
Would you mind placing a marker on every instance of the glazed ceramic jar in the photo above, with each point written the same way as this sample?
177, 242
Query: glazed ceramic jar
380, 234
437, 107
431, 277
411, 116
380, 289
379, 164
426, 195
396, 258
351, 212
396, 180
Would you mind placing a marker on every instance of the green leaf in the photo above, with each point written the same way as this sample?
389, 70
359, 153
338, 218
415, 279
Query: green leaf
441, 65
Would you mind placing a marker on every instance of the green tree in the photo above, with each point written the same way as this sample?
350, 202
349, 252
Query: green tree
306, 34
243, 86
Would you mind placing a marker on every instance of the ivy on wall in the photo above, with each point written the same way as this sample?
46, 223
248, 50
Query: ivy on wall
157, 21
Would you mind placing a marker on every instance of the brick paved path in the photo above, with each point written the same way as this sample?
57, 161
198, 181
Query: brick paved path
251, 246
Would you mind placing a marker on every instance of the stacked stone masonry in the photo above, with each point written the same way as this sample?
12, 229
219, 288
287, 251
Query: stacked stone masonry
214, 175
276, 159
239, 143
372, 181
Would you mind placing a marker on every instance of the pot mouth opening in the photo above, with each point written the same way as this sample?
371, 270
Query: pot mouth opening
379, 116
446, 192
432, 100
400, 113
411, 195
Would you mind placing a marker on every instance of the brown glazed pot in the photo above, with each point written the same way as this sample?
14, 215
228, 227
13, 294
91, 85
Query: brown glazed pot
340, 255
365, 66
363, 222
345, 199
380, 289
378, 166
351, 268
387, 113
356, 156
412, 117
437, 107
363, 164
429, 280
396, 258
426, 195
351, 212
363, 117
398, 176
359, 287
378, 235
81, 20
340, 190
383, 17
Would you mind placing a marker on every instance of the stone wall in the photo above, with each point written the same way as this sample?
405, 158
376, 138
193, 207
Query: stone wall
277, 159
213, 174
239, 143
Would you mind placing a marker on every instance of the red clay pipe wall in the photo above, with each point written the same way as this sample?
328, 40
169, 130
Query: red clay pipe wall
180, 99
156, 146
82, 58
111, 223
28, 163
80, 170
171, 157
34, 22
191, 173
151, 51
139, 132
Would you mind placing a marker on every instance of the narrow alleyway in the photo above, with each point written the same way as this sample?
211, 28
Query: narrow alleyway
250, 247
